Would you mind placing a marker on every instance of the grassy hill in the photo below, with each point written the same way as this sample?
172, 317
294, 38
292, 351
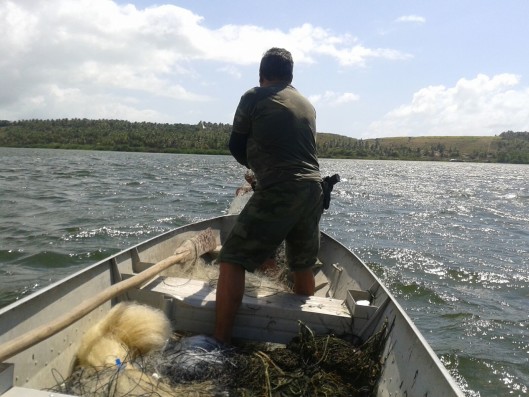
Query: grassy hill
455, 148
465, 144
452, 147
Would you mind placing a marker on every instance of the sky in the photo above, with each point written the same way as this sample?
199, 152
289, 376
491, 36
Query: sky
370, 68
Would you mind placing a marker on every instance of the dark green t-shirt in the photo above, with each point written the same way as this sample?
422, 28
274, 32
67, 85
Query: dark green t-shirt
281, 128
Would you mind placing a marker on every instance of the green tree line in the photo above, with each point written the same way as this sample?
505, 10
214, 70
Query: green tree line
212, 138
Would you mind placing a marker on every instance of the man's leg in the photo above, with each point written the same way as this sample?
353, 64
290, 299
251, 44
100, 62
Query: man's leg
304, 283
230, 290
303, 240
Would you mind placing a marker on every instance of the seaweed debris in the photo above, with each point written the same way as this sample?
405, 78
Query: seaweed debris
310, 365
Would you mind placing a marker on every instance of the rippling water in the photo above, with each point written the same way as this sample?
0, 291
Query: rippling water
450, 240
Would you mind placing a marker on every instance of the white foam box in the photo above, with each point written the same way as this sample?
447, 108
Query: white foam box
357, 310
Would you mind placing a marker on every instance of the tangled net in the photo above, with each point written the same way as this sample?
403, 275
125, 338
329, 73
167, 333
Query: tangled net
310, 365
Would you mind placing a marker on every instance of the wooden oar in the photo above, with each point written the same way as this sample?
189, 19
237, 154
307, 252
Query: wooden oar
191, 249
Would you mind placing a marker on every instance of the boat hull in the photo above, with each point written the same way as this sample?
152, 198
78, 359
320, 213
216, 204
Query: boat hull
410, 367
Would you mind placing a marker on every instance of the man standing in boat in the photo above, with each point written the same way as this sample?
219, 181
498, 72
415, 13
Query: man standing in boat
274, 134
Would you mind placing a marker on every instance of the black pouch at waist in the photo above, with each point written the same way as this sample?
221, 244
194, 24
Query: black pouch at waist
327, 185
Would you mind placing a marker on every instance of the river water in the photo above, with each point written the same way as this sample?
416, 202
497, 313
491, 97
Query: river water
450, 240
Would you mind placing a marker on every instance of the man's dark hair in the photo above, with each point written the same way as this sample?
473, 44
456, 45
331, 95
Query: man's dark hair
277, 64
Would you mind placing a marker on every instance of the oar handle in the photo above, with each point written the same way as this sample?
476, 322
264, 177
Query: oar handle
45, 331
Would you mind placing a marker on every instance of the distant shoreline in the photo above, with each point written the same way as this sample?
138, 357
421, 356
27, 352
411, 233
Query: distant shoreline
212, 138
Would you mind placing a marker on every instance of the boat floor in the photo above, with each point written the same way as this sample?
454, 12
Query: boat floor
264, 314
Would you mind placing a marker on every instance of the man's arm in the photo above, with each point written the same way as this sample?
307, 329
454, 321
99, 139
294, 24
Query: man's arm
237, 147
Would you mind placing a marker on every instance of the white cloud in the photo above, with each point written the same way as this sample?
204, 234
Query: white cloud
332, 98
102, 50
73, 103
245, 45
411, 18
480, 106
358, 54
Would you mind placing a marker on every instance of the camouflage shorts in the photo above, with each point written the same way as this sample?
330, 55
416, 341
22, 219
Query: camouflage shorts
289, 211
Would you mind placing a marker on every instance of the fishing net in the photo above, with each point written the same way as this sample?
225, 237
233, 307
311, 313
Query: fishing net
310, 365
193, 365
273, 278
